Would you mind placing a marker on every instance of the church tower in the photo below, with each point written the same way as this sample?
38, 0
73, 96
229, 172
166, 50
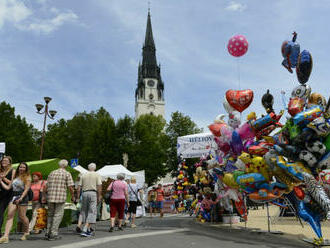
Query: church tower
149, 94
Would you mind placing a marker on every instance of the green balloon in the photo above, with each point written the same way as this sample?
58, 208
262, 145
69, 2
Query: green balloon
327, 142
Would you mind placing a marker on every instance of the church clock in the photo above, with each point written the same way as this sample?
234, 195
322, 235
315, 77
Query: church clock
151, 83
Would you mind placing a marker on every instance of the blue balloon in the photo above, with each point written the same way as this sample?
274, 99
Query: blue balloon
290, 52
236, 143
304, 66
250, 178
312, 218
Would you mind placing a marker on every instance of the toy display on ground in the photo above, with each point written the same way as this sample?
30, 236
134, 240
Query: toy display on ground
265, 160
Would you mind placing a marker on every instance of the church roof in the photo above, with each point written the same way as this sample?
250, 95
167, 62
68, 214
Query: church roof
149, 61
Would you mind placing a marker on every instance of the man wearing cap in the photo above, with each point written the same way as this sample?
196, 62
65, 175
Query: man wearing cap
91, 186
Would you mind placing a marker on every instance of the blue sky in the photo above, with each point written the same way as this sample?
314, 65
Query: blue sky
84, 54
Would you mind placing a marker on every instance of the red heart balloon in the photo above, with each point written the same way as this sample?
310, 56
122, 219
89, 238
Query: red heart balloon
239, 99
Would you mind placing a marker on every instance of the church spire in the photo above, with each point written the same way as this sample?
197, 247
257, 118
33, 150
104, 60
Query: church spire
149, 61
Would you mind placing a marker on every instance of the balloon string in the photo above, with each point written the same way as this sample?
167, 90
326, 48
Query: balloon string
239, 74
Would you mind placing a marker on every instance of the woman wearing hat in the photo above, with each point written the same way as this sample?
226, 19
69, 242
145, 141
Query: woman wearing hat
37, 188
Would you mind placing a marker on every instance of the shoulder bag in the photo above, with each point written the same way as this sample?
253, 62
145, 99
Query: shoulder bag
138, 202
108, 194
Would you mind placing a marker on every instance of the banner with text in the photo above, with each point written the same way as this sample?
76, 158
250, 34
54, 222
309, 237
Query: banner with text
196, 145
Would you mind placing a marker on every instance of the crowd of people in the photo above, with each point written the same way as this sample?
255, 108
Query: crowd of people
18, 187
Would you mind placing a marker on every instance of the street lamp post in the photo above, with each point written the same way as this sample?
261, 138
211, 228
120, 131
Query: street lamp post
51, 114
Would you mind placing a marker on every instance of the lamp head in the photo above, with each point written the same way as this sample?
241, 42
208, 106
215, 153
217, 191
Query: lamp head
52, 113
39, 107
47, 99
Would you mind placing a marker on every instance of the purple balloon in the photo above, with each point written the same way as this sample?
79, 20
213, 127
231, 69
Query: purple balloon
247, 143
236, 143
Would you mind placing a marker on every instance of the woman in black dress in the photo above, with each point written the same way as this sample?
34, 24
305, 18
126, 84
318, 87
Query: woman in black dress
7, 175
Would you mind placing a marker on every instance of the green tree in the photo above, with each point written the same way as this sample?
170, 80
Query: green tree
150, 145
125, 137
20, 137
102, 141
179, 125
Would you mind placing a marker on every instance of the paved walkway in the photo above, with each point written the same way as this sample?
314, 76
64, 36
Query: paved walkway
171, 231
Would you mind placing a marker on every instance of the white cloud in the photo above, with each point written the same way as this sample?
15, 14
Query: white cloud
234, 6
13, 11
49, 25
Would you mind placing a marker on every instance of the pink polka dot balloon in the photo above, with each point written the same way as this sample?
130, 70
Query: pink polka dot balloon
237, 45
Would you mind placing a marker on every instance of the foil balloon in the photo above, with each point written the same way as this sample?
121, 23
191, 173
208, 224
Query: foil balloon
299, 193
304, 66
327, 142
316, 99
219, 119
296, 105
316, 191
250, 178
301, 91
239, 99
290, 52
215, 129
324, 162
236, 143
307, 215
320, 125
234, 120
247, 144
266, 121
245, 131
237, 45
267, 102
222, 145
227, 106
305, 117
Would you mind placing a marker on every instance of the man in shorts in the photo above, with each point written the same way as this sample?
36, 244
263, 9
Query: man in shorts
152, 200
160, 199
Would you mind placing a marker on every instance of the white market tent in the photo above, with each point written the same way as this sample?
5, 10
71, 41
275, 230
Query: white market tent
140, 177
81, 169
111, 171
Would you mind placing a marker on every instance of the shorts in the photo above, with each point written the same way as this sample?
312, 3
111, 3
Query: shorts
132, 207
25, 200
159, 204
152, 204
117, 205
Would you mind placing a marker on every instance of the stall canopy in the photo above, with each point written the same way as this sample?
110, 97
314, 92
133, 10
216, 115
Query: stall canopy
196, 145
111, 171
140, 177
81, 169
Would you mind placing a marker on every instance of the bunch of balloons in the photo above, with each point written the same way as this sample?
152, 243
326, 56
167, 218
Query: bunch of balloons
181, 187
295, 160
265, 160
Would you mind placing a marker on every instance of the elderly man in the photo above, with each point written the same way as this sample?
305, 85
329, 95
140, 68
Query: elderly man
56, 189
91, 186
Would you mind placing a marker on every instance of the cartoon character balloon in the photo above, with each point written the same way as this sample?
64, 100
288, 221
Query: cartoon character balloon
267, 101
237, 45
290, 52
